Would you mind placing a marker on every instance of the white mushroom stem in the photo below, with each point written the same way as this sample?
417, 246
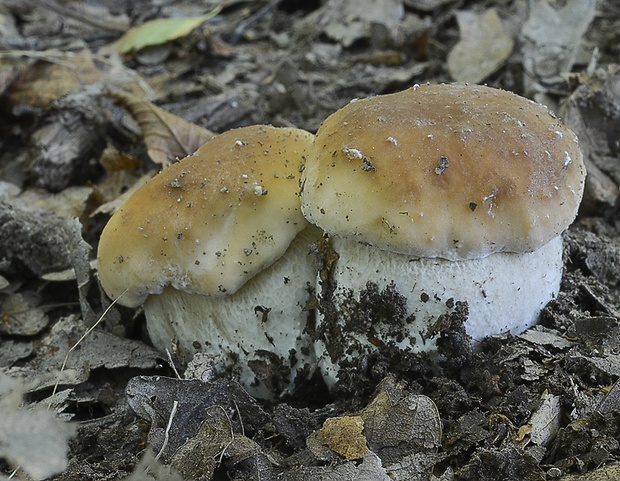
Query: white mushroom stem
266, 317
504, 291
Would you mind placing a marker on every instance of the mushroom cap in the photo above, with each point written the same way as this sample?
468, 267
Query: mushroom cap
209, 222
452, 171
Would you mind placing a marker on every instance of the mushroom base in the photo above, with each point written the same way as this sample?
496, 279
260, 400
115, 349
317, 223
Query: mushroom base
256, 334
376, 299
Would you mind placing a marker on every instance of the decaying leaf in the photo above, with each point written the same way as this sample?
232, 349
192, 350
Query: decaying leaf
20, 316
593, 113
611, 401
608, 364
121, 179
351, 20
546, 337
47, 76
70, 202
551, 37
394, 417
545, 421
343, 435
185, 404
417, 467
33, 241
167, 136
370, 469
195, 425
483, 48
159, 31
197, 457
99, 349
605, 473
12, 351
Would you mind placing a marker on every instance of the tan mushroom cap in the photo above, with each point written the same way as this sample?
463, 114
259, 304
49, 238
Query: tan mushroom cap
451, 171
210, 222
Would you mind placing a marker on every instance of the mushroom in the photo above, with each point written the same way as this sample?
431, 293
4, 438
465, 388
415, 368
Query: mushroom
437, 194
216, 248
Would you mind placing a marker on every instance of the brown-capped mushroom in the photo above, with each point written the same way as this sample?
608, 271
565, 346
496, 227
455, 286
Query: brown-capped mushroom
215, 246
435, 194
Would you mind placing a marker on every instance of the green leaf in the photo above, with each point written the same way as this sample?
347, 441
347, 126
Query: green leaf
157, 32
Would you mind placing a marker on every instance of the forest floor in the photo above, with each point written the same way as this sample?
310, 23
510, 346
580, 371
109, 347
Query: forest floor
84, 396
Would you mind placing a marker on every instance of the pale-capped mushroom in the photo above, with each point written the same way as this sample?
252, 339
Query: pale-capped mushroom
216, 248
436, 194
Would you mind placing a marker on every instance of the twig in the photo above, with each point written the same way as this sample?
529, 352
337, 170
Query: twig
167, 432
240, 420
171, 362
243, 26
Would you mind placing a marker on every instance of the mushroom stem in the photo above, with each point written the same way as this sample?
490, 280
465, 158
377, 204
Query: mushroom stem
257, 333
381, 298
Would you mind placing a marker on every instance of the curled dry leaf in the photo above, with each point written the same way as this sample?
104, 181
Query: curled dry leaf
167, 136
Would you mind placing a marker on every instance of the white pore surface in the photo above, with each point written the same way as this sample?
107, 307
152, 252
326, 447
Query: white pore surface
231, 328
504, 291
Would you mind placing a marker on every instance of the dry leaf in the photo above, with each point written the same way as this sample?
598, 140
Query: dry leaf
343, 435
167, 136
611, 471
351, 20
51, 75
70, 202
129, 184
545, 421
483, 48
393, 418
20, 316
551, 38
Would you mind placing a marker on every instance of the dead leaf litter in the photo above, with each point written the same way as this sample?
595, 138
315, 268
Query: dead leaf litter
93, 103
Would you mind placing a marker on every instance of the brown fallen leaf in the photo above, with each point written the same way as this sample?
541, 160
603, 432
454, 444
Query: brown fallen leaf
398, 418
38, 79
343, 435
167, 136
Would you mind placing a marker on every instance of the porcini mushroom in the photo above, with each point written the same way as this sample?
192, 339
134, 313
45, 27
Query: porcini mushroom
215, 246
437, 194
